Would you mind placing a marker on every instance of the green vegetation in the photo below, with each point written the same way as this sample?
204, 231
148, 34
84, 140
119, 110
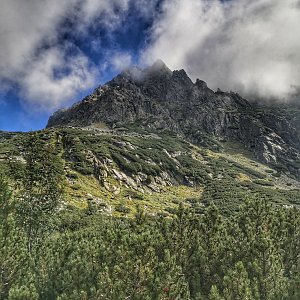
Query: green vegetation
154, 170
142, 217
253, 254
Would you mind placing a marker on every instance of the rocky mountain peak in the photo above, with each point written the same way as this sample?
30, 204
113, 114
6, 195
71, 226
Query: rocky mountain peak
158, 70
159, 67
181, 77
201, 84
160, 99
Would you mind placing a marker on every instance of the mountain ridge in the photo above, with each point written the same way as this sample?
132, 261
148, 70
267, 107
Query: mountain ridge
160, 99
155, 138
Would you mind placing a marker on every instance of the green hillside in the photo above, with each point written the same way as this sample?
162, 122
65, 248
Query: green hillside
117, 170
89, 213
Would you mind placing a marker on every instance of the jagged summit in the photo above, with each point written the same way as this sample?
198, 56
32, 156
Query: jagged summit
160, 99
158, 69
160, 64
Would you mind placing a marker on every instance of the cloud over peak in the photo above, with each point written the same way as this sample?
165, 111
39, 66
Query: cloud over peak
249, 46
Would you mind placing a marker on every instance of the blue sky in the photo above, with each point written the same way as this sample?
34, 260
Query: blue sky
55, 52
127, 38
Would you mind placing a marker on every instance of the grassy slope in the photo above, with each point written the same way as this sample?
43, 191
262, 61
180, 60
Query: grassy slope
156, 171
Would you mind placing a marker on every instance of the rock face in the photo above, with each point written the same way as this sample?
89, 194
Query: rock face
161, 99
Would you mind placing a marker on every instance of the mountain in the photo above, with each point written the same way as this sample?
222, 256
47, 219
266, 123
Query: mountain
153, 187
152, 137
116, 170
159, 99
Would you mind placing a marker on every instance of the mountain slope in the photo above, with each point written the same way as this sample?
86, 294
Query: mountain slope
116, 170
154, 138
157, 98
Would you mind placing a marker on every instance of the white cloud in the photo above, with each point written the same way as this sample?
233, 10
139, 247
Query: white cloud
121, 61
26, 26
147, 8
249, 46
23, 25
111, 11
50, 82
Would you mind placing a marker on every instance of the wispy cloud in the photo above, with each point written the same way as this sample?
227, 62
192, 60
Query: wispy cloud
249, 46
35, 58
121, 60
23, 26
55, 77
